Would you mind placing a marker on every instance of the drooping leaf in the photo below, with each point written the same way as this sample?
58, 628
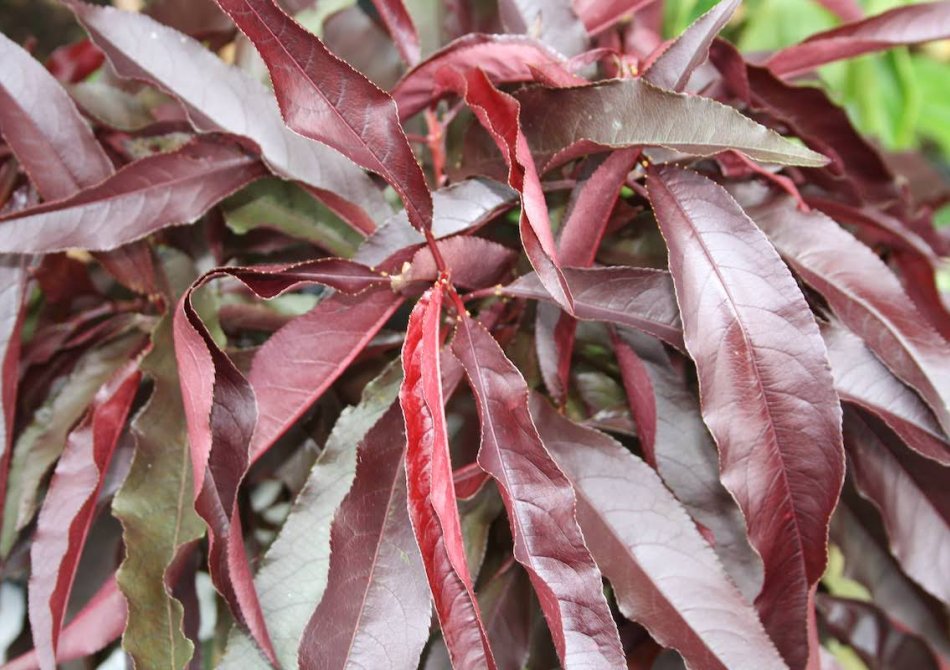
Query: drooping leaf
540, 504
218, 97
908, 492
433, 508
631, 112
156, 508
323, 98
838, 266
69, 508
375, 611
640, 298
663, 572
672, 69
911, 24
780, 449
301, 552
146, 196
553, 22
861, 379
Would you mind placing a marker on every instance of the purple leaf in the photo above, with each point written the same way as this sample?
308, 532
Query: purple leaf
776, 423
399, 24
598, 15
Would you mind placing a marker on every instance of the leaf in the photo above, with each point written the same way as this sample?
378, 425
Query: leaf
283, 206
69, 508
912, 24
662, 571
553, 22
156, 509
838, 266
908, 492
640, 298
507, 601
218, 97
540, 504
149, 194
641, 397
598, 15
13, 280
52, 141
94, 627
861, 379
433, 508
672, 68
375, 611
868, 630
777, 425
504, 58
301, 552
631, 112
400, 27
323, 98
472, 262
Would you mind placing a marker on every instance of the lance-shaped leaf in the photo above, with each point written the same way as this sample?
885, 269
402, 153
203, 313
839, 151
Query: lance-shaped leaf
598, 15
375, 612
504, 58
44, 129
156, 509
400, 27
913, 24
838, 266
640, 298
878, 641
554, 22
500, 115
301, 552
861, 379
632, 112
140, 199
69, 508
767, 393
220, 97
540, 504
672, 69
93, 628
910, 493
641, 396
664, 574
323, 98
433, 508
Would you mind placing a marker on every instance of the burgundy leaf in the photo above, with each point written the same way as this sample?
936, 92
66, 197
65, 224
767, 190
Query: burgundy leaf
640, 396
323, 98
433, 508
878, 641
506, 600
472, 262
500, 114
141, 198
838, 266
911, 496
69, 508
902, 25
99, 623
540, 504
640, 298
631, 112
400, 27
554, 22
663, 572
672, 69
861, 379
219, 97
375, 612
777, 424
39, 121
504, 58
598, 15
554, 334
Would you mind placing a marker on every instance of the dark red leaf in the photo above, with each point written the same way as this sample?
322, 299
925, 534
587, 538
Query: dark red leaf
472, 262
507, 601
540, 503
433, 508
839, 267
323, 98
640, 298
554, 334
663, 572
598, 15
69, 508
640, 396
399, 24
375, 612
145, 196
912, 24
672, 69
777, 425
40, 122
74, 62
99, 623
